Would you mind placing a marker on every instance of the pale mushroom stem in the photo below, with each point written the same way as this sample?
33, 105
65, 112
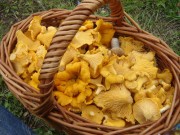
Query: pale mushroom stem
165, 108
115, 43
115, 47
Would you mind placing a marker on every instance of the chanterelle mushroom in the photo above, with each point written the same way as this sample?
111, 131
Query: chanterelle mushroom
166, 76
117, 102
146, 110
128, 44
113, 122
92, 113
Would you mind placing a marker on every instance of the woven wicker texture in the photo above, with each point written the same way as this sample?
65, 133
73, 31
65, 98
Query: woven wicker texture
44, 105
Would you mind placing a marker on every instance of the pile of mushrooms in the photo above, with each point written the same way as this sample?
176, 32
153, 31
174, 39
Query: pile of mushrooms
127, 87
107, 79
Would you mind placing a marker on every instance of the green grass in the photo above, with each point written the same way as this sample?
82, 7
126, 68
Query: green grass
162, 18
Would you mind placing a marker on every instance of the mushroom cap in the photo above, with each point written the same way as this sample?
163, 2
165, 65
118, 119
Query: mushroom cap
92, 113
131, 84
109, 68
34, 82
40, 54
128, 44
144, 65
113, 99
145, 110
35, 26
32, 44
113, 79
94, 60
106, 30
166, 76
81, 38
46, 37
62, 98
114, 122
140, 95
117, 102
88, 24
66, 59
165, 85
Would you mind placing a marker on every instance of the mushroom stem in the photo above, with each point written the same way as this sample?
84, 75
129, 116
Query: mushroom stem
153, 87
115, 47
165, 108
114, 43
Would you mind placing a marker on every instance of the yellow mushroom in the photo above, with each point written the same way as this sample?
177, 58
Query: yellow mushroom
131, 85
66, 59
46, 37
135, 81
34, 82
92, 113
109, 100
158, 92
32, 45
62, 76
94, 60
146, 110
151, 83
114, 122
32, 66
75, 105
165, 75
149, 56
73, 83
169, 97
100, 88
165, 85
109, 68
20, 58
123, 65
128, 45
157, 101
60, 85
140, 95
73, 68
117, 102
144, 65
84, 74
75, 88
97, 80
82, 38
88, 24
113, 79
141, 81
81, 98
62, 99
106, 30
40, 53
35, 26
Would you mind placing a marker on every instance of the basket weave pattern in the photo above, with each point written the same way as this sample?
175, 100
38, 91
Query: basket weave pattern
44, 105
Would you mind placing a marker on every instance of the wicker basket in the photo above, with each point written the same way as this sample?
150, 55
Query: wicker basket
44, 105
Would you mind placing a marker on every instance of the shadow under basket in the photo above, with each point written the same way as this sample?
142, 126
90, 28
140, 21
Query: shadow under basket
43, 104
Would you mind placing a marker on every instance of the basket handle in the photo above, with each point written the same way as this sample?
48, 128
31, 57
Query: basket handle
67, 31
65, 34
